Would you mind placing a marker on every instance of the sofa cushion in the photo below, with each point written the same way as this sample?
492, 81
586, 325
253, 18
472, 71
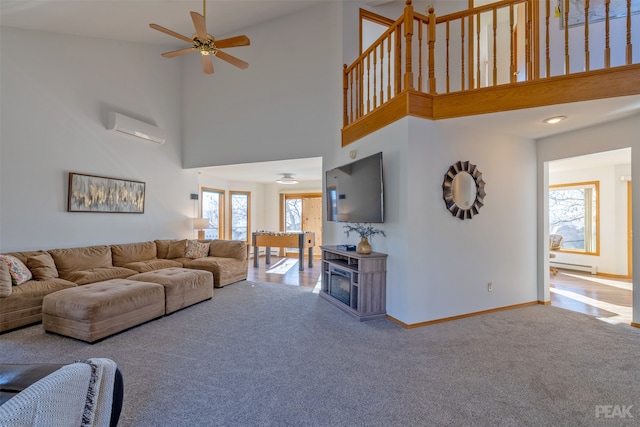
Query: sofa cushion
196, 249
133, 252
152, 265
78, 259
24, 306
42, 266
236, 249
5, 281
92, 275
18, 271
162, 247
225, 270
177, 249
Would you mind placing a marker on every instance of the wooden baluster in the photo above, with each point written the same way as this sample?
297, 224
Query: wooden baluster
351, 96
432, 43
420, 56
462, 74
389, 67
547, 55
408, 36
478, 81
447, 64
375, 77
368, 84
345, 90
567, 63
529, 37
607, 50
629, 45
360, 105
398, 60
512, 64
587, 61
535, 35
382, 72
495, 47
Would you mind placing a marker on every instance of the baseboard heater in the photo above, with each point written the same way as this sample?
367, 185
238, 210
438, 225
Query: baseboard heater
578, 267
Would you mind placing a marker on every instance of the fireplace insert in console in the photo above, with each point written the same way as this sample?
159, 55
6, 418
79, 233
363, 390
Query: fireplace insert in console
340, 284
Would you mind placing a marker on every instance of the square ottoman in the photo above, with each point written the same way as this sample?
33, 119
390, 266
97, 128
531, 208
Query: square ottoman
97, 310
182, 286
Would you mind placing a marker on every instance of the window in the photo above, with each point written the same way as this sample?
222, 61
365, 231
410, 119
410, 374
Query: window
213, 208
573, 214
240, 215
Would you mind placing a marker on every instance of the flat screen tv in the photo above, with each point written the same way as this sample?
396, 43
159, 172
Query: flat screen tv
355, 191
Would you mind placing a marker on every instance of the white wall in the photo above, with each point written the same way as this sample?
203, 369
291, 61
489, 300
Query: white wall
287, 104
610, 136
53, 109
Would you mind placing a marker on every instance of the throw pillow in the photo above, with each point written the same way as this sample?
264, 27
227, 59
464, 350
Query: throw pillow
196, 249
19, 272
5, 280
177, 249
42, 267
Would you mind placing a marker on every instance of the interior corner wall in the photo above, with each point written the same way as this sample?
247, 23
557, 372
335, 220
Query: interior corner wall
451, 261
54, 107
287, 104
439, 266
609, 136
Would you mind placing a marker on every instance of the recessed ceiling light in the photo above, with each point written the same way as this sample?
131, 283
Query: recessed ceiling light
287, 178
554, 119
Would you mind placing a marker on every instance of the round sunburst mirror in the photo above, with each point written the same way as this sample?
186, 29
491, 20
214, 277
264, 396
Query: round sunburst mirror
463, 190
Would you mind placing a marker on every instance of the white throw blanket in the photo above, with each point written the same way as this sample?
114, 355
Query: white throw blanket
79, 394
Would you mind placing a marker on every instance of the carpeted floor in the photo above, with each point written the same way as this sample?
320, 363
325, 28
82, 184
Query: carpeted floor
262, 354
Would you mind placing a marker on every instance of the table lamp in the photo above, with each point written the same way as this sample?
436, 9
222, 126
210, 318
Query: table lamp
200, 224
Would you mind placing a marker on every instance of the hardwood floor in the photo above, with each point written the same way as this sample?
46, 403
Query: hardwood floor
606, 298
285, 271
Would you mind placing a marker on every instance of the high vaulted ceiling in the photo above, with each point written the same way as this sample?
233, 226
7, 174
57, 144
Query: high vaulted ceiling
128, 20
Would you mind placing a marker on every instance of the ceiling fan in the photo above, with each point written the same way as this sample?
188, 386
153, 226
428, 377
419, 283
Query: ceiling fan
204, 43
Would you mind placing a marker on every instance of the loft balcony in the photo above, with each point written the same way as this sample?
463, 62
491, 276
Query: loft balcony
507, 55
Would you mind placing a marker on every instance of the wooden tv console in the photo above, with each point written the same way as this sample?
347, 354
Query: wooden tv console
355, 283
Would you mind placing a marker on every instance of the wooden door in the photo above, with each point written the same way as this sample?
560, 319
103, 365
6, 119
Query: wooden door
312, 218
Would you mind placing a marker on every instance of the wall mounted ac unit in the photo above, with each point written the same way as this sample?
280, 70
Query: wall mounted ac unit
121, 123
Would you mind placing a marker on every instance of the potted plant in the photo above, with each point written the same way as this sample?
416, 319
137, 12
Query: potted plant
365, 231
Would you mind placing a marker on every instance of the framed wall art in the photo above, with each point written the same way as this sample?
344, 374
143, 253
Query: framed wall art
597, 10
89, 193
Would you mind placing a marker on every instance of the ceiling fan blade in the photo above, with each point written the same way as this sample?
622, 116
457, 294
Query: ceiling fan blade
200, 25
231, 59
171, 33
207, 65
178, 52
233, 42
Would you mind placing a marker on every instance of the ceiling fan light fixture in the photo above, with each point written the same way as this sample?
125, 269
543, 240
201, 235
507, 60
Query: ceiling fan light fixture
286, 179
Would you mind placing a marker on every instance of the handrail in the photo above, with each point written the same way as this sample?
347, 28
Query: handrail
506, 42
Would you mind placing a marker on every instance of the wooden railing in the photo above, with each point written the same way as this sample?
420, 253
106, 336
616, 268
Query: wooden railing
506, 42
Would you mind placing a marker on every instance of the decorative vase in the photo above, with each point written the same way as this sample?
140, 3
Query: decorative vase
363, 247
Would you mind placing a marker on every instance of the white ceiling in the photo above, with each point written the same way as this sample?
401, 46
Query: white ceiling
309, 169
128, 20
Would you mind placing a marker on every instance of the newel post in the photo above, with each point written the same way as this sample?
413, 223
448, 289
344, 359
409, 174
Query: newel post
432, 56
345, 91
408, 36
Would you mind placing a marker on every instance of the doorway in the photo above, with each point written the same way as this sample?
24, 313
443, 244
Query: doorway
589, 207
301, 212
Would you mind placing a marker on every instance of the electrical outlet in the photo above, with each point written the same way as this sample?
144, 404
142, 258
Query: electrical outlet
490, 287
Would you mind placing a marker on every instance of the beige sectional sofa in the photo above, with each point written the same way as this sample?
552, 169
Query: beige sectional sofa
57, 269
